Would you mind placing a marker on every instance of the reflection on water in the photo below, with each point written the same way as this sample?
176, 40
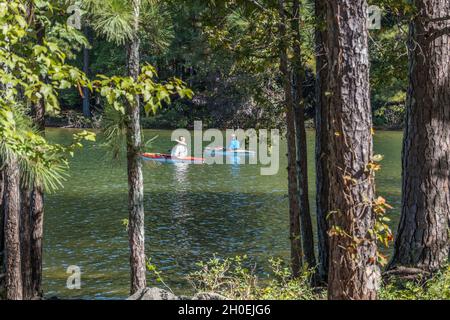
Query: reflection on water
181, 184
192, 212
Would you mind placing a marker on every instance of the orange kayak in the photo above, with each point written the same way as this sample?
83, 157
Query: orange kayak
167, 158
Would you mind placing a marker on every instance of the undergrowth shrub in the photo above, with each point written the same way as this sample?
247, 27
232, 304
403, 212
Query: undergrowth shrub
232, 278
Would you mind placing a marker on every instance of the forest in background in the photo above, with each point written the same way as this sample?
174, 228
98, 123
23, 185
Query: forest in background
235, 77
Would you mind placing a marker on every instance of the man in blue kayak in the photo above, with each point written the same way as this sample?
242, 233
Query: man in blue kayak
234, 144
233, 147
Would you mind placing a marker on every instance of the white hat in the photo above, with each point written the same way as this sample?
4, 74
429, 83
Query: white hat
181, 142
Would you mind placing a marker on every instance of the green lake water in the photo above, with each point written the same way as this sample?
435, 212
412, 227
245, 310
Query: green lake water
192, 212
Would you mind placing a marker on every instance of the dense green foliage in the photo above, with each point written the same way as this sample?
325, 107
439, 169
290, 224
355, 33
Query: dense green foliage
226, 53
30, 72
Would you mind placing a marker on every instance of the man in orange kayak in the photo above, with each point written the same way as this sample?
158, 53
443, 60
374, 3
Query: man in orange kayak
180, 150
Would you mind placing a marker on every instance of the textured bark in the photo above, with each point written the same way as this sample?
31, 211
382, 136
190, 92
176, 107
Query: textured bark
37, 199
322, 151
294, 208
13, 273
422, 238
2, 238
37, 232
135, 178
353, 273
25, 242
301, 146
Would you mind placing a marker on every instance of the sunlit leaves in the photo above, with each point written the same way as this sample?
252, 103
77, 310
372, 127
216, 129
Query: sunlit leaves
33, 73
121, 90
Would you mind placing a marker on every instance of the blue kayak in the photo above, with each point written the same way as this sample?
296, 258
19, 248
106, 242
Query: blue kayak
212, 152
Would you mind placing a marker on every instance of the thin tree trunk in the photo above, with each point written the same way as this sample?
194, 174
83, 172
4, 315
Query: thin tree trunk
37, 232
135, 178
322, 151
25, 242
86, 61
301, 146
37, 200
353, 272
2, 234
294, 208
422, 238
13, 274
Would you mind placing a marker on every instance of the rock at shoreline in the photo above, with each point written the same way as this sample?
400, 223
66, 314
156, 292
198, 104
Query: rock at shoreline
153, 294
160, 294
208, 296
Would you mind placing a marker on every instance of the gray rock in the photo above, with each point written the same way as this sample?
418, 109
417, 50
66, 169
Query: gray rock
208, 296
153, 294
160, 294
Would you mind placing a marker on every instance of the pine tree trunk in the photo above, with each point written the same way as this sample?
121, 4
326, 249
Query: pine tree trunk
321, 152
353, 273
422, 238
294, 207
301, 146
135, 177
13, 274
25, 242
2, 234
37, 200
37, 232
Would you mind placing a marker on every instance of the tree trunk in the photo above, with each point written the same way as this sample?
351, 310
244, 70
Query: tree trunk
2, 238
13, 274
353, 272
37, 200
301, 146
322, 151
25, 242
37, 231
294, 208
422, 238
135, 178
86, 93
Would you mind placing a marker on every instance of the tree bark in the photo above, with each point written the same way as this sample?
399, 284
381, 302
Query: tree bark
135, 177
37, 232
294, 208
25, 242
422, 239
2, 234
37, 199
322, 151
353, 272
301, 146
13, 274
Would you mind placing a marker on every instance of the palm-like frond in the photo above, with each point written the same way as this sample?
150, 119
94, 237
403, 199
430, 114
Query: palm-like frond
156, 26
114, 126
40, 163
111, 18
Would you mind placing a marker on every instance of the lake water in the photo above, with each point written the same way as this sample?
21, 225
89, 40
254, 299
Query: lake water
192, 212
